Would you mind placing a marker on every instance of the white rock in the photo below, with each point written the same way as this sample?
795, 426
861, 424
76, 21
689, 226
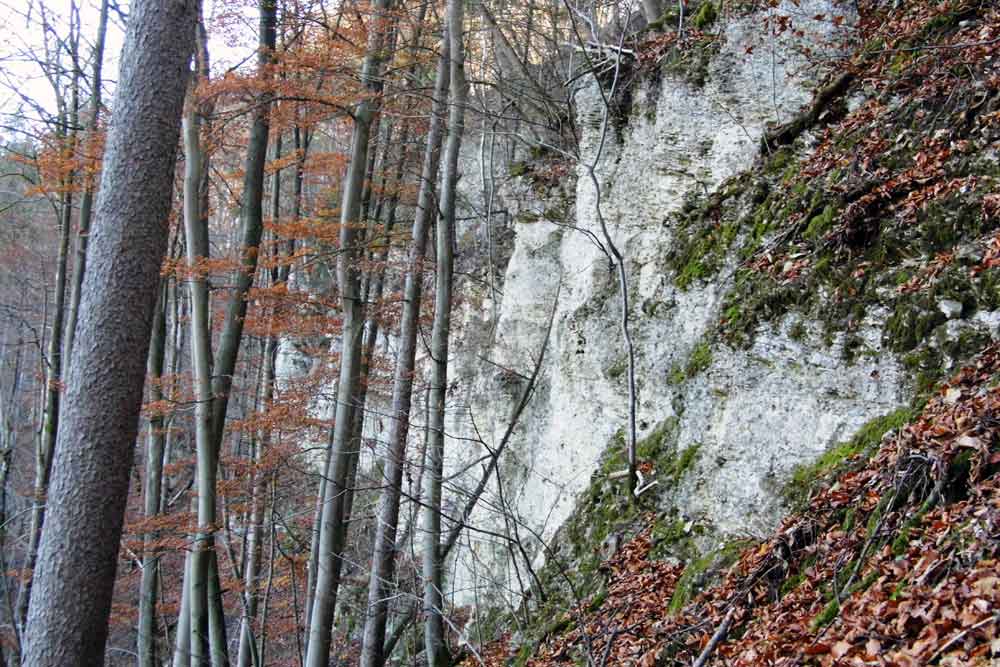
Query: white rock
950, 308
754, 414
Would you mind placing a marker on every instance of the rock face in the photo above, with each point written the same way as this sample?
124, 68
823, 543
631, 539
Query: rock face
750, 414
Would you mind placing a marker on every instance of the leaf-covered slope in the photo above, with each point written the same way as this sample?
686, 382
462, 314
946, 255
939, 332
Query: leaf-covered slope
882, 196
894, 563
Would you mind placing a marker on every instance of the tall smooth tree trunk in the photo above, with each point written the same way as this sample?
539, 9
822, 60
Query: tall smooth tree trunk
195, 216
68, 613
9, 416
252, 227
332, 531
207, 622
87, 199
196, 236
435, 649
217, 642
301, 142
54, 375
155, 442
182, 632
383, 557
182, 639
251, 577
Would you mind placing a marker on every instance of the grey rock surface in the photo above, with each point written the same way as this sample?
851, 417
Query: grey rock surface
754, 414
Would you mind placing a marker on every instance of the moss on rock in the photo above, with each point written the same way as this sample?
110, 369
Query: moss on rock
705, 16
701, 571
807, 477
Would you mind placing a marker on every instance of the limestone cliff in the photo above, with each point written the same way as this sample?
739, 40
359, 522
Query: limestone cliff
741, 379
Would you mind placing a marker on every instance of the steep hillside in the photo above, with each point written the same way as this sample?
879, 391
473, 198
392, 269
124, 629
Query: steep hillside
796, 315
892, 561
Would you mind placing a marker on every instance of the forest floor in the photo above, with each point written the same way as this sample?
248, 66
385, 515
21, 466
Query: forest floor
893, 561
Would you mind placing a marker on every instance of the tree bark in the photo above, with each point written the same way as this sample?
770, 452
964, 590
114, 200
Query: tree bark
68, 614
332, 531
218, 646
146, 643
435, 649
54, 375
383, 557
182, 641
87, 200
196, 236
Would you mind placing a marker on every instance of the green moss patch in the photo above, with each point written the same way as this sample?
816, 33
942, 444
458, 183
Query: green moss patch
705, 231
808, 477
702, 571
705, 16
699, 360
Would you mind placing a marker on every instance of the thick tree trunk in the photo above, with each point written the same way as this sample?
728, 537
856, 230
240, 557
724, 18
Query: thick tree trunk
68, 614
435, 648
383, 558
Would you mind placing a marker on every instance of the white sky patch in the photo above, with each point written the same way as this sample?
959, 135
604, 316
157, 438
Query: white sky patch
31, 59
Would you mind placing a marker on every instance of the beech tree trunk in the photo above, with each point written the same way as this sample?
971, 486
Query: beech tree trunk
182, 639
336, 494
207, 622
383, 557
54, 375
196, 235
155, 440
435, 649
252, 228
87, 199
68, 613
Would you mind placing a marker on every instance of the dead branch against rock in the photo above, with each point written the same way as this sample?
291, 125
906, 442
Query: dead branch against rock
790, 131
719, 635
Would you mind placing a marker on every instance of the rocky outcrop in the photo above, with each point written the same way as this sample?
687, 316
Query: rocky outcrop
752, 414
